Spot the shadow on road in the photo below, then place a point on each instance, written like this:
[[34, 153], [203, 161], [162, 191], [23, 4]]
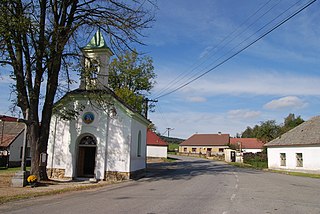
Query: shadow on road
[[186, 169]]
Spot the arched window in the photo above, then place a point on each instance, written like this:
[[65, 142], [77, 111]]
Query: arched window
[[88, 141], [94, 68], [139, 145]]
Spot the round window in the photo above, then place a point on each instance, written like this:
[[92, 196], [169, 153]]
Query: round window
[[88, 117]]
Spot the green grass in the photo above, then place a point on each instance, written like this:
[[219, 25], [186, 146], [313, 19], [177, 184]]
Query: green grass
[[301, 174], [171, 153], [254, 165], [12, 170], [173, 146], [258, 165]]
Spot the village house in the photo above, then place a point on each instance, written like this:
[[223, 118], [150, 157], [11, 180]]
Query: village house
[[107, 140], [156, 147], [11, 141], [298, 149], [205, 144], [247, 145]]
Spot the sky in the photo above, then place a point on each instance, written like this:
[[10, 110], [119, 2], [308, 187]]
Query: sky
[[277, 75]]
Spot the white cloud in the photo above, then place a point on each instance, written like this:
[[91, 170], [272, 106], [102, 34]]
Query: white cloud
[[255, 83], [197, 99], [243, 114], [190, 122], [285, 102]]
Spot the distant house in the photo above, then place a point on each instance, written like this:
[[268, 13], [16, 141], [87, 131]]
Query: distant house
[[156, 147], [247, 145], [298, 149], [11, 140], [205, 143]]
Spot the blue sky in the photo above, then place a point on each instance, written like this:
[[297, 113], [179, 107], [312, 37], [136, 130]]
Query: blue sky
[[278, 75]]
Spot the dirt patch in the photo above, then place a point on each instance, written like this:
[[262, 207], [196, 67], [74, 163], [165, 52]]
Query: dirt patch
[[8, 193], [5, 180]]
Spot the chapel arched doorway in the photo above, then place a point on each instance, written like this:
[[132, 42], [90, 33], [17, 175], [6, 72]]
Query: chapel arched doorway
[[86, 156]]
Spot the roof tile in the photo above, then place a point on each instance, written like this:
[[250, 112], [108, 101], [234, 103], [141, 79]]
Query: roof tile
[[207, 140]]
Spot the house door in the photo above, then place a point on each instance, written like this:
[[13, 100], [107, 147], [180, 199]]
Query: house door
[[233, 156], [86, 157]]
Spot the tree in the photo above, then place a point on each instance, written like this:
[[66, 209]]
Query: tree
[[40, 40], [268, 131], [132, 77], [248, 133], [290, 122]]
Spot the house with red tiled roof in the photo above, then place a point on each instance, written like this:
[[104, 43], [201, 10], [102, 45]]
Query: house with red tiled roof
[[156, 147], [11, 140], [247, 145], [205, 143]]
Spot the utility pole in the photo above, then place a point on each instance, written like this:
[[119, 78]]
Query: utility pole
[[168, 130], [147, 100]]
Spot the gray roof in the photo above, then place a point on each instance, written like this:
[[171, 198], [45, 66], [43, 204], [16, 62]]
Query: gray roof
[[307, 133]]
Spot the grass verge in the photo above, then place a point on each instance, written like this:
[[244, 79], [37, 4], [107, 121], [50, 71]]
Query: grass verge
[[5, 199], [301, 174]]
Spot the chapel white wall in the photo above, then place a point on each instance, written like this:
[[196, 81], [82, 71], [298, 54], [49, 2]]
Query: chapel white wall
[[118, 149], [138, 163], [64, 138]]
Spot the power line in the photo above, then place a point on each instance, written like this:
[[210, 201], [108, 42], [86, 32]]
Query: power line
[[241, 50], [213, 51]]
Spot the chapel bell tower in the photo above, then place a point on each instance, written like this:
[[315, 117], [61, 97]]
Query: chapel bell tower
[[96, 57]]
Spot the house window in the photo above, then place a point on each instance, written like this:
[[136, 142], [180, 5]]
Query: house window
[[194, 150], [139, 145], [221, 149], [209, 149], [184, 149], [282, 159], [299, 159]]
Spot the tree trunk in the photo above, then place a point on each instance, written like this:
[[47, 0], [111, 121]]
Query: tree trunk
[[38, 146]]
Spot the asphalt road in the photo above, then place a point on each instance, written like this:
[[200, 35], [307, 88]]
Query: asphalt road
[[188, 186]]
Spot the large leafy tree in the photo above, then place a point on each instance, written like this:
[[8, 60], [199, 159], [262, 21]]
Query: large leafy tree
[[40, 41], [131, 77], [290, 122], [269, 130]]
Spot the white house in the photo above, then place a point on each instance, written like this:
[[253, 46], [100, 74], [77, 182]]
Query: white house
[[11, 141], [156, 147], [107, 140], [247, 145], [298, 149]]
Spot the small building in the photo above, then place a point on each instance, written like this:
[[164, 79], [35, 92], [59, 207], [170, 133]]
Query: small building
[[205, 144], [247, 145], [106, 140], [11, 141], [156, 147], [298, 149]]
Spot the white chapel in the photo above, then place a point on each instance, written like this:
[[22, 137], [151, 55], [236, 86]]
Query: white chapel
[[107, 139]]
